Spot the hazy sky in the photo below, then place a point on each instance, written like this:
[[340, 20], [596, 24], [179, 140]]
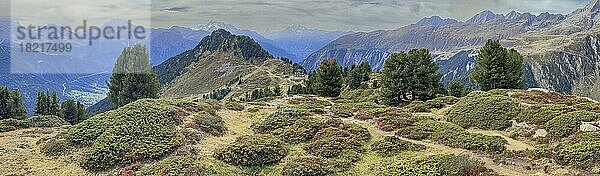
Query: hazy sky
[[269, 15]]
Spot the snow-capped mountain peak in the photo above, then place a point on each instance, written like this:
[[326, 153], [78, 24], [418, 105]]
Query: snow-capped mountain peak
[[213, 26]]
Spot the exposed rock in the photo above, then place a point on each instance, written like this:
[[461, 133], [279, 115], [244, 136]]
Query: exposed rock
[[589, 127], [485, 16], [23, 145], [436, 21], [538, 89], [561, 53], [540, 133]]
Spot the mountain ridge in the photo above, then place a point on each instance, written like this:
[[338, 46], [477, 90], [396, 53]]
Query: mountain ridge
[[222, 61], [535, 36]]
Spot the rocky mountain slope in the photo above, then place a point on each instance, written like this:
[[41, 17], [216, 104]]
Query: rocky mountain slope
[[560, 51], [436, 21], [377, 45], [221, 60], [565, 58]]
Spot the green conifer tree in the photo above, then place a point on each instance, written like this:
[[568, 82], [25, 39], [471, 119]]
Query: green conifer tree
[[17, 107], [5, 103], [410, 76], [42, 104], [498, 68], [133, 77], [54, 106], [328, 81], [72, 111], [277, 91], [456, 89]]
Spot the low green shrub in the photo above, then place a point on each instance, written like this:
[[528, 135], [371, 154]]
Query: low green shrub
[[206, 106], [342, 112], [129, 144], [343, 162], [438, 126], [6, 128], [332, 122], [32, 122], [391, 145], [253, 110], [361, 132], [453, 135], [484, 112], [536, 115], [140, 131], [209, 123], [540, 97], [418, 106], [426, 128], [17, 123], [185, 165], [434, 104], [379, 112], [461, 165], [591, 106], [394, 122], [309, 100], [472, 141], [44, 121], [414, 133], [234, 106], [302, 130], [292, 112], [567, 124], [331, 142], [581, 152], [308, 103], [305, 166], [361, 95], [445, 164], [253, 150], [447, 100], [272, 123], [55, 147]]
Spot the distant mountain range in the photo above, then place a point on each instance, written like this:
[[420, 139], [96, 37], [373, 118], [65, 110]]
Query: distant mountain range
[[435, 34], [302, 41], [560, 50], [435, 21], [82, 73]]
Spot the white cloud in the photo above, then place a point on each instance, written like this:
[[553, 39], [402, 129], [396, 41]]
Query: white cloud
[[356, 15]]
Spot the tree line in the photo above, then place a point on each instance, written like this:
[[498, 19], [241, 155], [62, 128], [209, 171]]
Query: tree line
[[406, 76], [412, 76], [47, 103]]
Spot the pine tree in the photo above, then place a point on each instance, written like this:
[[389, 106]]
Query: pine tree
[[42, 104], [354, 79], [311, 84], [277, 91], [17, 107], [328, 81], [47, 104], [133, 77], [73, 112], [498, 68], [54, 106], [5, 103], [364, 71], [410, 76], [456, 89]]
